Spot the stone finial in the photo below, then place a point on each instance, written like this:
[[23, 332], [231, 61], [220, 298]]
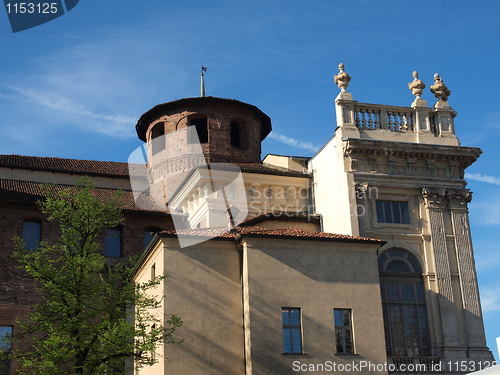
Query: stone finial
[[439, 89], [416, 86], [342, 79]]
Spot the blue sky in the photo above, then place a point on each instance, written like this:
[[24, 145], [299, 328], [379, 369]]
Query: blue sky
[[75, 87]]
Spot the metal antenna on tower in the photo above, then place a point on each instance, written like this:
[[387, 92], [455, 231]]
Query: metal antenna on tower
[[202, 83]]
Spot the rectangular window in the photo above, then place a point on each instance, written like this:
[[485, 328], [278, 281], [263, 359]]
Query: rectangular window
[[393, 212], [343, 331], [32, 234], [5, 347], [113, 243], [153, 272], [292, 335]]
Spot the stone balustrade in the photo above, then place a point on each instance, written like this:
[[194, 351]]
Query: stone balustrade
[[408, 124], [372, 117], [418, 123]]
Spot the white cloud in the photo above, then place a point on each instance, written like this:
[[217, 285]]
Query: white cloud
[[99, 84], [485, 212], [483, 178], [294, 142], [490, 298]]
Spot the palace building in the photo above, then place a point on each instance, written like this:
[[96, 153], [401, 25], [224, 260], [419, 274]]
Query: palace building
[[358, 258]]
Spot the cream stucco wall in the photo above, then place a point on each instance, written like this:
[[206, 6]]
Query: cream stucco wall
[[317, 277], [203, 289]]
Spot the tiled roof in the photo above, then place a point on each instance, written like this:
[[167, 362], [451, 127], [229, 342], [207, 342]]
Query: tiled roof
[[280, 215], [113, 169], [30, 192], [87, 167], [264, 232]]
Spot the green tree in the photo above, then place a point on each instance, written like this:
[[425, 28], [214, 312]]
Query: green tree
[[92, 317]]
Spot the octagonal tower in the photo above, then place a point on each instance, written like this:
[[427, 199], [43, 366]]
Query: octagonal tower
[[229, 131]]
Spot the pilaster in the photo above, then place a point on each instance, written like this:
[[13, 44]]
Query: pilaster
[[458, 199], [434, 200]]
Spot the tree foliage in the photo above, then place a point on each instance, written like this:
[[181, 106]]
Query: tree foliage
[[92, 318]]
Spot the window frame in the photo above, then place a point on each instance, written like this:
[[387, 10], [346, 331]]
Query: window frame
[[342, 329], [290, 329], [410, 201], [120, 237], [402, 305], [24, 227]]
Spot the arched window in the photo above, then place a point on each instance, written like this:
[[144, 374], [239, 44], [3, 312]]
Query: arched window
[[403, 304], [201, 126], [157, 139], [113, 242], [32, 234]]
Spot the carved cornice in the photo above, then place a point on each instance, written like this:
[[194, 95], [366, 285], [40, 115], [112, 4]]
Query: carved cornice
[[375, 149]]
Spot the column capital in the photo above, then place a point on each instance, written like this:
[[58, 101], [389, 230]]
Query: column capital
[[434, 196], [459, 198]]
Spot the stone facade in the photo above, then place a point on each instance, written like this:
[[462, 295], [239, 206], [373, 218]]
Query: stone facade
[[390, 184]]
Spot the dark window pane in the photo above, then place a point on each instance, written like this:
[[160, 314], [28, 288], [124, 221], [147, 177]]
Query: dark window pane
[[420, 292], [200, 124], [112, 243], [287, 342], [388, 212], [5, 337], [235, 134], [348, 341], [292, 339], [337, 315], [396, 213], [396, 324], [32, 233], [148, 236], [380, 212], [407, 294], [346, 314], [4, 367], [392, 212], [343, 330], [405, 217], [415, 265], [422, 317], [397, 266], [157, 138], [392, 292], [286, 318], [295, 317], [405, 321], [338, 341], [381, 261], [396, 253], [410, 330]]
